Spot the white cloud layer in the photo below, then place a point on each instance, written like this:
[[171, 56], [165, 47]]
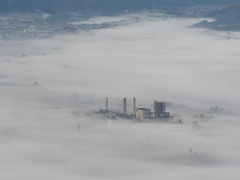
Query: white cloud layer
[[157, 58]]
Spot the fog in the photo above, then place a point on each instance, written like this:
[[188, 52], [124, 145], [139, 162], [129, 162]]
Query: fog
[[48, 86]]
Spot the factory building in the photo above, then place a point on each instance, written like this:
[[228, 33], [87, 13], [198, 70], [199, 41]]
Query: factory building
[[114, 115], [143, 113], [160, 111]]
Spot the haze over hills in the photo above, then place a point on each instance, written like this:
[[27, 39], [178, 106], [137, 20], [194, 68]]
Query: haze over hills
[[225, 13], [48, 85], [227, 19], [61, 59], [71, 5]]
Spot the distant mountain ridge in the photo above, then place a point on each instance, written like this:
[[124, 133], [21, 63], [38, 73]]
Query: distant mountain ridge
[[226, 19], [74, 5], [228, 13]]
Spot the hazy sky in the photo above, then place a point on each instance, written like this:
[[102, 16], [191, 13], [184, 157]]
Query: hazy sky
[[157, 58]]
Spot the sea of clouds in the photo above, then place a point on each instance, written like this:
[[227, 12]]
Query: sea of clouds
[[48, 86]]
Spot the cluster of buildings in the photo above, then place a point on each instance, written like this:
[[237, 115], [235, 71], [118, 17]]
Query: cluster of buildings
[[40, 26], [34, 25], [159, 112]]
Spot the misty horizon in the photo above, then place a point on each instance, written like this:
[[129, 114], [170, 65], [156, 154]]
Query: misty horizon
[[49, 86]]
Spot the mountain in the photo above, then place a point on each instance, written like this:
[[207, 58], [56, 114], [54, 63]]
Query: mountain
[[231, 12], [226, 19], [75, 5]]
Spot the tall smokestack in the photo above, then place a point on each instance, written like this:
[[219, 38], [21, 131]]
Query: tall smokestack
[[134, 107], [124, 105], [106, 104]]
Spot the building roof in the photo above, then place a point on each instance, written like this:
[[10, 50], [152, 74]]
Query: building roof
[[144, 109]]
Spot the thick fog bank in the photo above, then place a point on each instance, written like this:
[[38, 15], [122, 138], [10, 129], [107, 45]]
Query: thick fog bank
[[47, 86]]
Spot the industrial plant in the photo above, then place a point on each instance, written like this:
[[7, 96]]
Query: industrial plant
[[159, 112]]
